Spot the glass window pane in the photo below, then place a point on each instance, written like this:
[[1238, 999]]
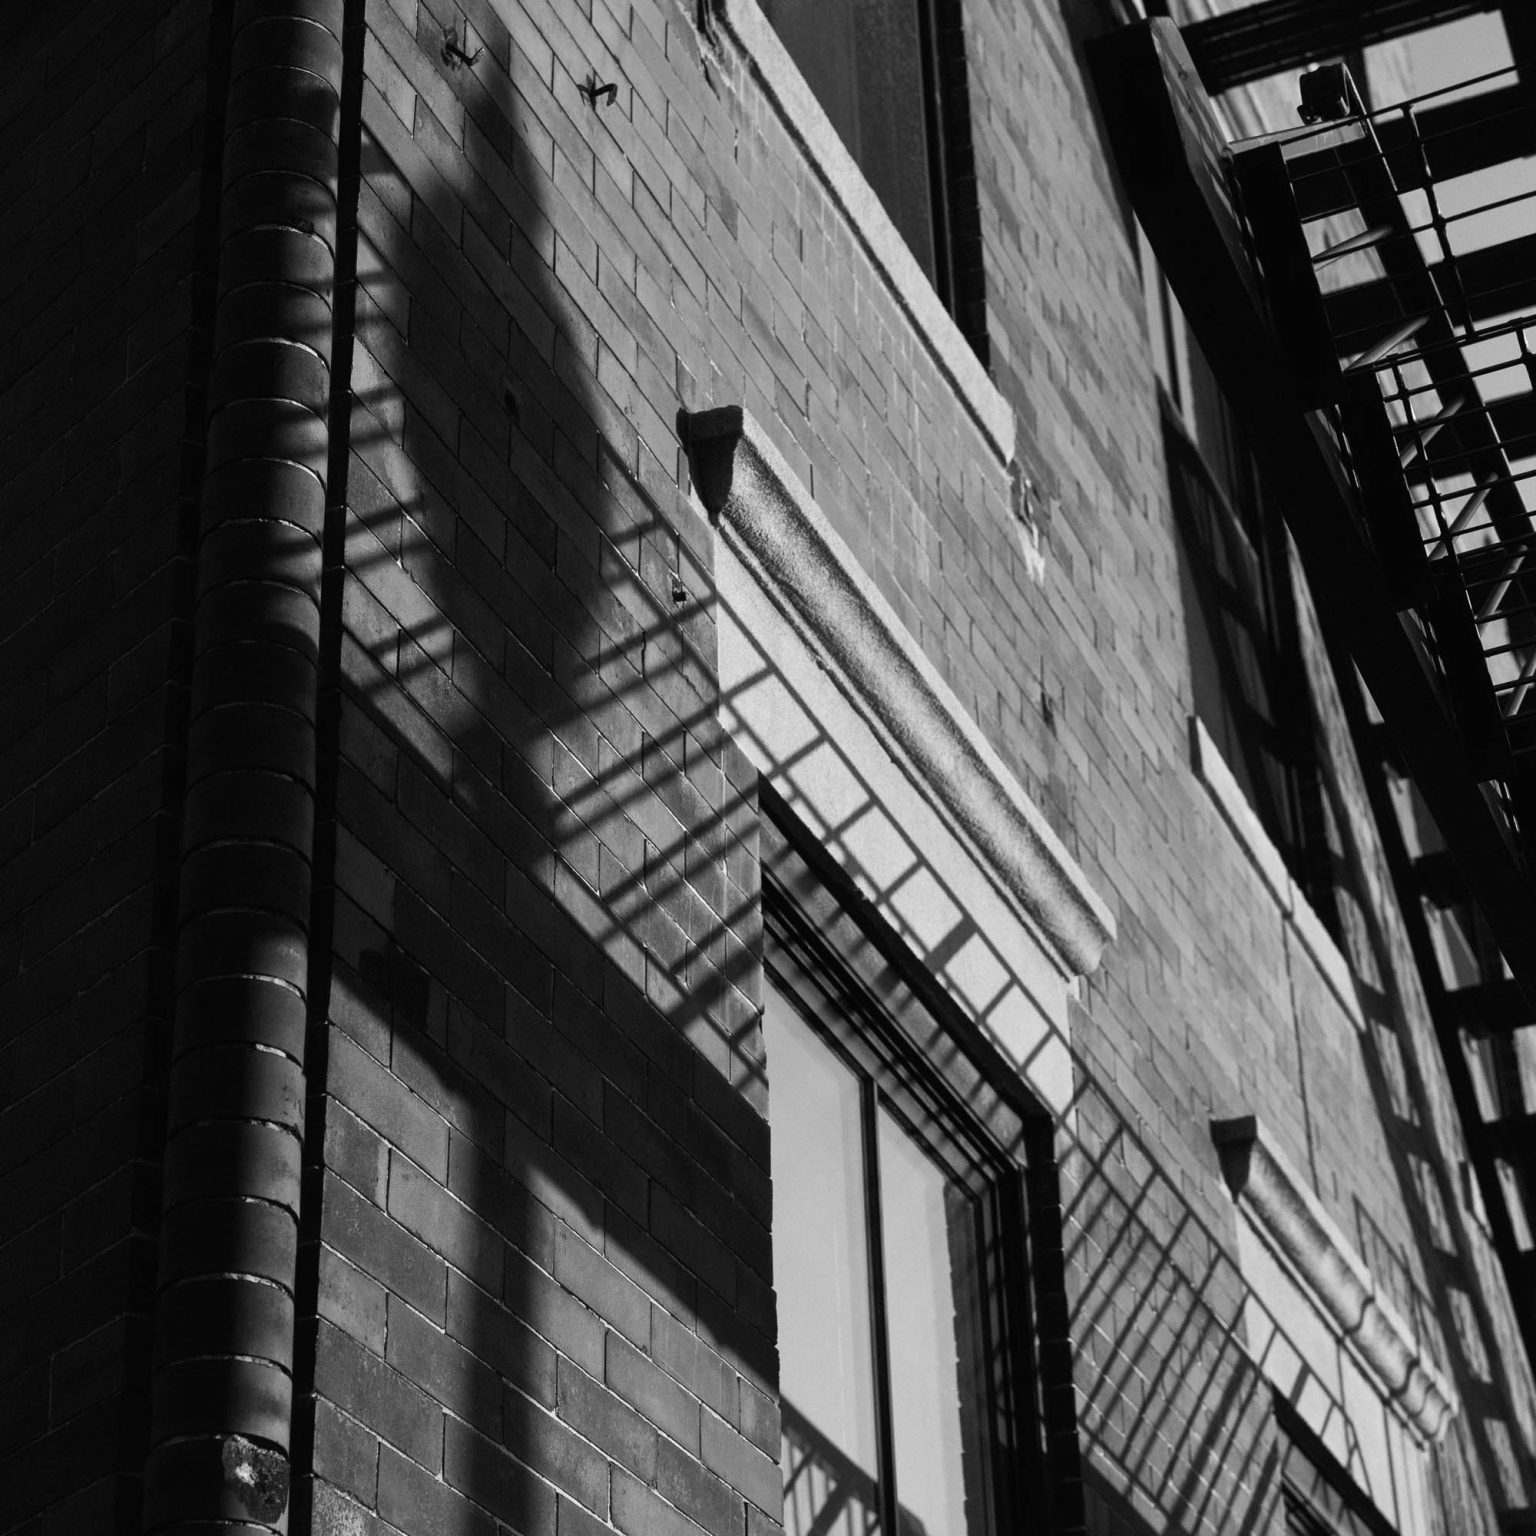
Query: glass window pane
[[820, 37], [821, 1274], [893, 132], [863, 60], [928, 1234]]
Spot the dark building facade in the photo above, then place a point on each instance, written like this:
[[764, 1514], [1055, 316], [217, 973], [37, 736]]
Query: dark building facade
[[738, 790]]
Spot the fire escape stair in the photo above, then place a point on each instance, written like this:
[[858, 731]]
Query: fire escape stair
[[1489, 1007], [1266, 37], [1402, 359]]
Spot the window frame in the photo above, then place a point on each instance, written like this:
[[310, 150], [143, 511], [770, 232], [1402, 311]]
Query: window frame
[[1273, 734], [949, 252], [808, 127], [887, 1019], [959, 252], [887, 1078], [1218, 503], [1352, 1512]]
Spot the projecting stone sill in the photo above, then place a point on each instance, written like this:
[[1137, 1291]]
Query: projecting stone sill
[[1301, 1234]]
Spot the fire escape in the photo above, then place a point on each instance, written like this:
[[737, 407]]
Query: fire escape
[[1365, 287]]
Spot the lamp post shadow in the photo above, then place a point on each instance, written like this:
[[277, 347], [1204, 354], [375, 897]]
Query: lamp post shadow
[[536, 1201]]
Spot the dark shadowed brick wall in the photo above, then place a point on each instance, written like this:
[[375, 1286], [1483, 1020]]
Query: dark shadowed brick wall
[[102, 146]]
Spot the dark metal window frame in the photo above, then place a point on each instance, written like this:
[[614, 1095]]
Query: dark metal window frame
[[1344, 1509], [885, 1017], [955, 264], [1277, 739], [959, 275]]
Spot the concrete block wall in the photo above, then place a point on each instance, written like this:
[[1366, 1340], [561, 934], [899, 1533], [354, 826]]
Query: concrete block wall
[[102, 149]]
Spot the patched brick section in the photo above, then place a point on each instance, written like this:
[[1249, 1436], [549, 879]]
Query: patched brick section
[[608, 1422], [398, 1411], [741, 1464], [101, 151], [618, 1300], [346, 1454], [714, 1504]]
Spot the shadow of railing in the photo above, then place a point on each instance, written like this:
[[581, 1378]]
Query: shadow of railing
[[546, 930], [539, 1080], [537, 1165], [1160, 1306], [824, 1492], [1173, 1410]]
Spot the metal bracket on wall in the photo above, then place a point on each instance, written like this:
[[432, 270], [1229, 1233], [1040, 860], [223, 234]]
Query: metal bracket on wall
[[453, 50], [599, 95]]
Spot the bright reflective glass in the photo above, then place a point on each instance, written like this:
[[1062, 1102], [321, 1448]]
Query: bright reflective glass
[[925, 1220], [821, 1275]]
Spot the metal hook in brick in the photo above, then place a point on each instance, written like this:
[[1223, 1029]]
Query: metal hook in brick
[[453, 50], [595, 93]]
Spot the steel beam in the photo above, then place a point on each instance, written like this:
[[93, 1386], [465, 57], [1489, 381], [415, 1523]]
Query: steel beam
[[1491, 1008], [1256, 41]]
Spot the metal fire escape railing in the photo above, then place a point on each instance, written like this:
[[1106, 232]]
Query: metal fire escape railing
[[1398, 255], [1421, 330]]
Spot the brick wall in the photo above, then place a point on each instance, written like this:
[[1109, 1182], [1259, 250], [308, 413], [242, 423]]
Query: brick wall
[[544, 983], [101, 143], [535, 1273]]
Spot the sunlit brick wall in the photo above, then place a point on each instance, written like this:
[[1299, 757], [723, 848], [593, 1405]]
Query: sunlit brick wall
[[545, 1087]]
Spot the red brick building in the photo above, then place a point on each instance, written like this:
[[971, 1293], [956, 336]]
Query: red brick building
[[727, 804]]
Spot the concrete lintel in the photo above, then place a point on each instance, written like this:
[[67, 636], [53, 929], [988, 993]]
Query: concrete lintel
[[1305, 1238], [770, 520]]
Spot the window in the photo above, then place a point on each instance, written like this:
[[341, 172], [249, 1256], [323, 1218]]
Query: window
[[911, 1402], [1358, 1399], [877, 1258], [1246, 680], [1318, 1495], [870, 63], [1247, 674]]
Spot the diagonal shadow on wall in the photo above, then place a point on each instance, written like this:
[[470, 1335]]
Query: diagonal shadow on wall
[[536, 1215]]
